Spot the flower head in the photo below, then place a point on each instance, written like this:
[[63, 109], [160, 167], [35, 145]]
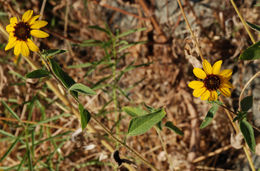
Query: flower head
[[212, 80], [20, 32]]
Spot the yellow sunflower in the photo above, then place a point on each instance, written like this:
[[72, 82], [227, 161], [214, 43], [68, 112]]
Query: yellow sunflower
[[20, 32], [213, 80]]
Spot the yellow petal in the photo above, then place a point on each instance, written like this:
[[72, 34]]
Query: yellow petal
[[39, 34], [39, 24], [17, 48], [207, 67], [216, 67], [196, 84], [213, 96], [226, 84], [225, 91], [226, 73], [10, 28], [24, 49], [199, 73], [205, 95], [11, 43], [32, 46], [27, 15], [33, 19], [13, 20], [199, 92]]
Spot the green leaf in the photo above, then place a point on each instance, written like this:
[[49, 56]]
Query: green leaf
[[142, 124], [10, 149], [130, 45], [130, 32], [251, 53], [134, 111], [81, 88], [209, 116], [100, 29], [52, 52], [91, 43], [254, 26], [63, 76], [246, 103], [84, 65], [11, 111], [173, 128], [84, 116], [248, 134], [38, 73]]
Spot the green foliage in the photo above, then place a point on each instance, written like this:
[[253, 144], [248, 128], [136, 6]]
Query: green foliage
[[38, 73], [134, 111], [140, 125], [66, 80], [11, 111], [248, 134], [84, 116], [78, 87], [254, 26], [173, 128], [128, 32], [10, 149], [251, 53], [246, 103], [91, 43], [207, 120], [52, 52]]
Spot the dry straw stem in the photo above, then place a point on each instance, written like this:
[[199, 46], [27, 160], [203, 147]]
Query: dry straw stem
[[191, 32], [243, 21], [245, 148]]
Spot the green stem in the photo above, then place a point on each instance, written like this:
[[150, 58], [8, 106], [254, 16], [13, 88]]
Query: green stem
[[115, 87]]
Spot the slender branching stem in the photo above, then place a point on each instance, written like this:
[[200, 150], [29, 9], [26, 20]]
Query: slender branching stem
[[117, 140]]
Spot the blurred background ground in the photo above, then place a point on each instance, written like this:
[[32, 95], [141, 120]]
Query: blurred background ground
[[163, 83]]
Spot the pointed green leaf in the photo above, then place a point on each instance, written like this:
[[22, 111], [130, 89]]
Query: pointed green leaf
[[130, 32], [248, 134], [63, 76], [246, 103], [83, 65], [209, 116], [254, 26], [81, 88], [100, 29], [251, 53], [38, 73], [10, 149], [11, 111], [84, 116], [91, 43], [173, 128], [142, 124], [134, 111], [52, 52]]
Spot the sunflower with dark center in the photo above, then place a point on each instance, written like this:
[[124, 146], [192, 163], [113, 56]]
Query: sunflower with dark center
[[21, 31], [213, 80]]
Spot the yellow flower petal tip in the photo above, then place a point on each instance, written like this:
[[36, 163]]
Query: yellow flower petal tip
[[20, 32], [212, 80]]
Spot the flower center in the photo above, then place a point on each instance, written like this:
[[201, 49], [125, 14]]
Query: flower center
[[22, 31], [212, 82]]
